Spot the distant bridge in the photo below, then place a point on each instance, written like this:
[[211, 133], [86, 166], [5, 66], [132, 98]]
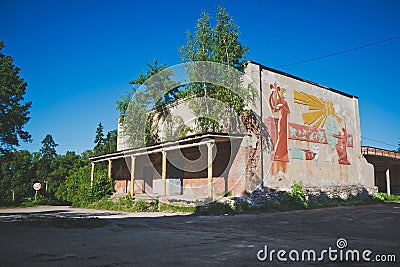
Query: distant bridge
[[386, 168]]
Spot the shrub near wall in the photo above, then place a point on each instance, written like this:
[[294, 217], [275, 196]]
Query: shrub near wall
[[77, 190]]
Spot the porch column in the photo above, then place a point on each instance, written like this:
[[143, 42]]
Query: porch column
[[109, 169], [387, 180], [164, 172], [92, 175], [210, 168], [133, 161]]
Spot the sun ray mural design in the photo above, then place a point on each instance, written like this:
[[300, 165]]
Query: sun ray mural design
[[319, 109]]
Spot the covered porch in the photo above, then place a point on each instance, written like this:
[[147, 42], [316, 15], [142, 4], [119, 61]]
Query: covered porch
[[195, 167]]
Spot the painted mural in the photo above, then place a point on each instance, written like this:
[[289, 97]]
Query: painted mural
[[323, 114], [279, 122], [319, 109], [323, 124], [341, 146], [307, 133]]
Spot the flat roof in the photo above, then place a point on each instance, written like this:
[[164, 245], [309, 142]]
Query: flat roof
[[196, 139], [302, 80]]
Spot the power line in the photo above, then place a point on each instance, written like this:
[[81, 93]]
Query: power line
[[338, 53], [378, 141]]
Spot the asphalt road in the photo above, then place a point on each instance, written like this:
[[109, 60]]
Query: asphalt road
[[63, 236]]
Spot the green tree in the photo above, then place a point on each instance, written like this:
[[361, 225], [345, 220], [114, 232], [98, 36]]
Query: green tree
[[200, 46], [76, 187], [45, 163], [17, 177], [64, 165], [110, 142], [155, 97], [48, 149], [145, 104], [13, 110], [150, 91], [99, 140], [227, 48], [107, 144], [218, 44], [77, 190]]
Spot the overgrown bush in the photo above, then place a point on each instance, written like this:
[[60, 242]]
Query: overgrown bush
[[77, 190], [296, 198], [125, 203], [102, 187], [386, 198]]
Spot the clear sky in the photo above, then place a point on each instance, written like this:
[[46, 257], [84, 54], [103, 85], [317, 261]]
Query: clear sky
[[78, 56]]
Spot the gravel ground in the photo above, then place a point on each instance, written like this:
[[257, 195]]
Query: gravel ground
[[64, 236]]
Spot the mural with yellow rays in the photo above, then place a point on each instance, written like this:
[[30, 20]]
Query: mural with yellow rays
[[319, 109]]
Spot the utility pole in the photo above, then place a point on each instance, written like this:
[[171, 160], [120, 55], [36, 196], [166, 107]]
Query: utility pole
[[46, 185]]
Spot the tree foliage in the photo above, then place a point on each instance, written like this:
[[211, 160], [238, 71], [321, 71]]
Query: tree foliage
[[150, 91], [46, 159], [48, 149], [146, 103], [107, 144], [14, 112], [155, 95], [77, 190], [76, 187], [218, 44], [99, 138], [17, 176]]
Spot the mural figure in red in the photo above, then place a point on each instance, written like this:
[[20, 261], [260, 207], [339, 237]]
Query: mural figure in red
[[341, 146], [278, 103]]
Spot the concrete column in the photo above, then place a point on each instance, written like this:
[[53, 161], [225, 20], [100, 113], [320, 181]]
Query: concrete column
[[109, 169], [133, 161], [164, 172], [210, 168], [388, 181], [92, 175]]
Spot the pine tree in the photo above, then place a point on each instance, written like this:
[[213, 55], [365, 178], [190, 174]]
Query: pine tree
[[99, 140]]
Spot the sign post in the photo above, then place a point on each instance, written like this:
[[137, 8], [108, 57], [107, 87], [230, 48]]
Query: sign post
[[37, 187], [13, 195]]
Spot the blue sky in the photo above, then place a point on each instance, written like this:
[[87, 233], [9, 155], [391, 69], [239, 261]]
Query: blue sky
[[78, 56]]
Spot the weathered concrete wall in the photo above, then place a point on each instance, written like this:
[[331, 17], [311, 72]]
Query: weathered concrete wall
[[122, 142], [179, 114], [312, 135], [314, 132]]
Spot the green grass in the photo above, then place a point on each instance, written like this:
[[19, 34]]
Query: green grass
[[176, 208], [293, 200], [127, 204], [289, 201], [387, 198]]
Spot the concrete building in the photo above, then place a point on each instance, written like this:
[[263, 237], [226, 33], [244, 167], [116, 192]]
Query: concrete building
[[305, 132]]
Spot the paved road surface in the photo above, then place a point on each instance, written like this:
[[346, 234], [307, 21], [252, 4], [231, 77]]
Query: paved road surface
[[63, 236]]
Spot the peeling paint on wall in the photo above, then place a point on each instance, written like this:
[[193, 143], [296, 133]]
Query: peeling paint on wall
[[317, 146], [297, 153]]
